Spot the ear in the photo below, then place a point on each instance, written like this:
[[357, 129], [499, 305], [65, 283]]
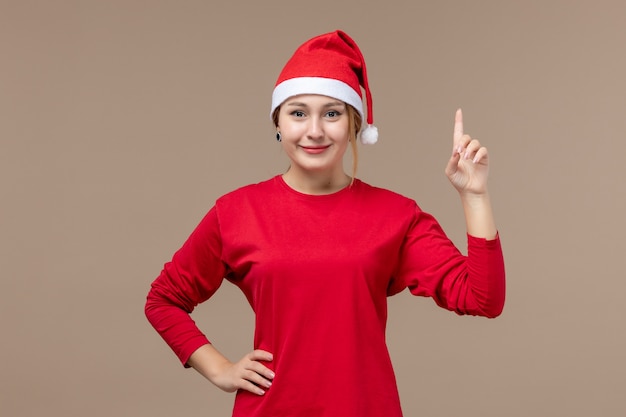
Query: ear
[[275, 117]]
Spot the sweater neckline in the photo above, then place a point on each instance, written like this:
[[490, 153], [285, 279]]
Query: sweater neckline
[[336, 194]]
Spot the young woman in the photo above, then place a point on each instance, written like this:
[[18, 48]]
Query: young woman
[[317, 252]]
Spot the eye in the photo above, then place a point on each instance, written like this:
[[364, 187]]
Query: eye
[[297, 113], [333, 113]]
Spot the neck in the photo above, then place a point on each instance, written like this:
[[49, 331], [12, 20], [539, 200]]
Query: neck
[[316, 183]]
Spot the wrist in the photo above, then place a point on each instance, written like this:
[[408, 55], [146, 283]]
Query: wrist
[[474, 199], [478, 215], [209, 362]]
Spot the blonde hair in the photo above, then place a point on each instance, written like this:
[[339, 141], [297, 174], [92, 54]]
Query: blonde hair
[[354, 127]]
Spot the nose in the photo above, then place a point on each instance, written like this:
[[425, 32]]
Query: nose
[[316, 129]]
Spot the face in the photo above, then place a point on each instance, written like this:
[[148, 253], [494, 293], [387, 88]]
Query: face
[[314, 132]]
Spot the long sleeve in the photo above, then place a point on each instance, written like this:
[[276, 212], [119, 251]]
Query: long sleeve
[[431, 266], [193, 275]]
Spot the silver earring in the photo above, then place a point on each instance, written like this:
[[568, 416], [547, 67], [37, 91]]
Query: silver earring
[[278, 137]]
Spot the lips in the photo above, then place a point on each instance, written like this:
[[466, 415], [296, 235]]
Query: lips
[[314, 149]]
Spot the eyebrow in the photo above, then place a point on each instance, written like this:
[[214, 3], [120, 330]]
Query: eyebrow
[[329, 104]]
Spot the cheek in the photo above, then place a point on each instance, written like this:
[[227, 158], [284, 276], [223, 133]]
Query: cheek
[[340, 131], [291, 130]]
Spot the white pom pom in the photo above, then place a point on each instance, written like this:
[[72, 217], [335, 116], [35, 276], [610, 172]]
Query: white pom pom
[[369, 135]]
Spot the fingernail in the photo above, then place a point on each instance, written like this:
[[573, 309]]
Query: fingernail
[[272, 375]]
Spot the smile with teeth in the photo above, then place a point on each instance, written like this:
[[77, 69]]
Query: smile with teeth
[[314, 149]]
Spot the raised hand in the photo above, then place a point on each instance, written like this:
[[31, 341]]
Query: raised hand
[[468, 167]]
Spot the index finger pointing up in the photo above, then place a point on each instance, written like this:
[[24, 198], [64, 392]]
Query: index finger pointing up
[[458, 126]]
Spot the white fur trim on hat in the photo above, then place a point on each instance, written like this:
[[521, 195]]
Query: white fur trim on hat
[[316, 85]]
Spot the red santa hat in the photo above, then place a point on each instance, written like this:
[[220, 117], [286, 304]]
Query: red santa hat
[[331, 65]]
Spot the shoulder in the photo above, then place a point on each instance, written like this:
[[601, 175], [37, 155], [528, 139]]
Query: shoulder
[[249, 191], [378, 196]]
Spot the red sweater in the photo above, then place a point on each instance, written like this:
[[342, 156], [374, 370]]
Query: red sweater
[[317, 270]]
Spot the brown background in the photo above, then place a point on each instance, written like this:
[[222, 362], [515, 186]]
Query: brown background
[[122, 121]]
